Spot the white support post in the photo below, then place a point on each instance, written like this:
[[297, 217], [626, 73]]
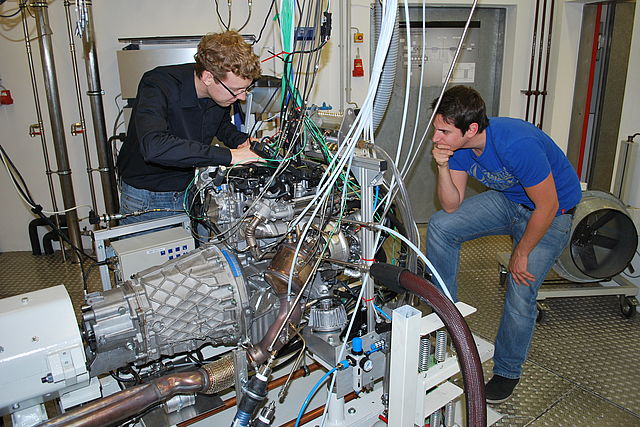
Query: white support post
[[335, 412], [405, 348], [409, 403]]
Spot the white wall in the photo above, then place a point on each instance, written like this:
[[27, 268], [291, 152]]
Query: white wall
[[114, 19], [120, 18], [629, 125]]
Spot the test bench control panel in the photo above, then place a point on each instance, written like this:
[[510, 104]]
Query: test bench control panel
[[140, 252]]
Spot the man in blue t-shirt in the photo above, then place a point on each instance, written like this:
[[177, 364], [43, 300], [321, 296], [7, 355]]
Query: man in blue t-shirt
[[533, 193]]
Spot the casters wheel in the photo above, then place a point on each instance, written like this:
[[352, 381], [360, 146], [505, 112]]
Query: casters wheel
[[628, 306], [503, 276], [542, 311]]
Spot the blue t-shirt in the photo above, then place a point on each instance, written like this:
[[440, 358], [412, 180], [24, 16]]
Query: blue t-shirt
[[517, 155]]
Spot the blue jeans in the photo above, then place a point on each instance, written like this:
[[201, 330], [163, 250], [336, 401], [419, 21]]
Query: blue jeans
[[486, 214], [136, 199]]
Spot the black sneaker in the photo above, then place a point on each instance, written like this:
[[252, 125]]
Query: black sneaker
[[499, 389]]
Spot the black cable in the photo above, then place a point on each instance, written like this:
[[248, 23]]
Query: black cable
[[20, 182], [120, 112], [264, 24], [194, 360], [119, 379], [12, 15], [37, 209], [248, 16], [226, 27], [23, 189]]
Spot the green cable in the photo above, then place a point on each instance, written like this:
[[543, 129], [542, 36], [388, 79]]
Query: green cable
[[184, 201]]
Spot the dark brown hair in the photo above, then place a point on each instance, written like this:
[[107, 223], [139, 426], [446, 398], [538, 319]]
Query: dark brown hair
[[461, 106]]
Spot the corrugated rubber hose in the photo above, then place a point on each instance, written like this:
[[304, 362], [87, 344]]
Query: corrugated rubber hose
[[399, 279]]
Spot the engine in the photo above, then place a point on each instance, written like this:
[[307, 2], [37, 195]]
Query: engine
[[255, 275]]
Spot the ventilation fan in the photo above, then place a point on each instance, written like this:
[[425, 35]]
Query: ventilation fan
[[603, 240]]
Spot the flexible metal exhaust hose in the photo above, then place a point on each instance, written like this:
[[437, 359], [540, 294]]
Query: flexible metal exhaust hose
[[388, 77], [399, 279], [213, 377]]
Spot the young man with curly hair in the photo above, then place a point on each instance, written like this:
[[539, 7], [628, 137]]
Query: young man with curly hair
[[533, 190], [177, 112]]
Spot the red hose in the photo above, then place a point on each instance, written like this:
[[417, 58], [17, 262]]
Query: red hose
[[587, 104]]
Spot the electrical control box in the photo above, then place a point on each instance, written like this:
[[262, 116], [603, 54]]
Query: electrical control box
[[140, 252]]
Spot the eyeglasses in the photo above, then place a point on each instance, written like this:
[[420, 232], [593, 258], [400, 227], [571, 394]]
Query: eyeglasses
[[240, 92]]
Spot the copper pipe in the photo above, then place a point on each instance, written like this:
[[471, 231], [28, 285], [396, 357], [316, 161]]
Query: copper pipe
[[533, 57], [83, 127], [259, 353], [231, 402], [277, 275], [315, 413], [540, 47], [546, 66], [125, 404]]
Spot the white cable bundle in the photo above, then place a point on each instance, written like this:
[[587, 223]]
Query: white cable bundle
[[341, 162]]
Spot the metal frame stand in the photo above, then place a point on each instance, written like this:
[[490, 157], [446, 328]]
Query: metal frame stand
[[101, 236], [412, 398], [617, 285]]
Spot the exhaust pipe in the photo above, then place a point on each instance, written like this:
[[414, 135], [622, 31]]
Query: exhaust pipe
[[211, 378]]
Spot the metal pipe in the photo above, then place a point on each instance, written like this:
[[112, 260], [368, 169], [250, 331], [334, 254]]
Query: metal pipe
[[211, 378], [103, 148], [343, 62], [307, 276], [533, 58], [232, 401], [546, 67], [277, 275], [587, 102], [317, 412], [40, 124], [250, 237], [540, 47], [131, 401], [57, 124], [83, 127], [272, 342]]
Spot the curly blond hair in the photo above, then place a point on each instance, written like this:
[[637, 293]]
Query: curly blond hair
[[220, 53]]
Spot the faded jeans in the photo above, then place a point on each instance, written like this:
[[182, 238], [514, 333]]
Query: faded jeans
[[486, 214], [136, 199]]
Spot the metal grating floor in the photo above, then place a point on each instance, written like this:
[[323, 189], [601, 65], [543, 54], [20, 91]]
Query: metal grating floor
[[584, 364]]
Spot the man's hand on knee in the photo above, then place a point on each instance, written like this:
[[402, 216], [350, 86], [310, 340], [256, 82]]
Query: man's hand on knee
[[518, 268]]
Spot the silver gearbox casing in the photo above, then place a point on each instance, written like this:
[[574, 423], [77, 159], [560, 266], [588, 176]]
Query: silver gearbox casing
[[198, 298]]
